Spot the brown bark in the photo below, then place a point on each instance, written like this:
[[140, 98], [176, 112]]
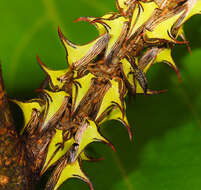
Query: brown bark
[[14, 174]]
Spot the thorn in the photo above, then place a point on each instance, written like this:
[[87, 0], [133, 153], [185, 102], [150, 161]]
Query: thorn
[[42, 65], [189, 48], [97, 159], [128, 129], [178, 74], [60, 33], [38, 59], [175, 40], [90, 184], [130, 133], [151, 92], [107, 27], [64, 39], [81, 19], [39, 90], [174, 67], [91, 159], [111, 146], [176, 70]]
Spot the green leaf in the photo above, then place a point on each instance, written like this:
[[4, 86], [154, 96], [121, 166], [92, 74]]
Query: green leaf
[[165, 152]]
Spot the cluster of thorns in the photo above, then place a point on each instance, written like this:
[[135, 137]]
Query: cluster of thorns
[[74, 102]]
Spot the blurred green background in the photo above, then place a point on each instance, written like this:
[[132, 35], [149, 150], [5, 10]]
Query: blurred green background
[[166, 151]]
